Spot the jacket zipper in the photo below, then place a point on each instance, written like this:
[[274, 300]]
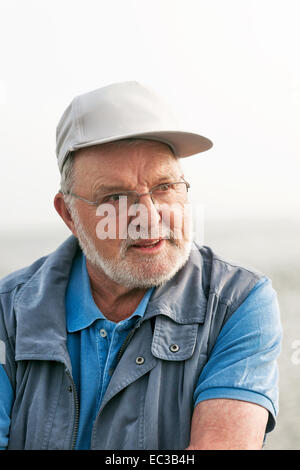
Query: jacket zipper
[[127, 340], [75, 395], [119, 355], [76, 419]]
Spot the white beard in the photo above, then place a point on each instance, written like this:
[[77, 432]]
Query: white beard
[[150, 271]]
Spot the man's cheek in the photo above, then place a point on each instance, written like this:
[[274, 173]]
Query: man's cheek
[[174, 220]]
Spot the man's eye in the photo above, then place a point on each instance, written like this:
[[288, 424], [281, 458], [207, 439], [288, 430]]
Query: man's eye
[[164, 187], [113, 197]]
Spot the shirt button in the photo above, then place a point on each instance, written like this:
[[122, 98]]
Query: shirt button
[[174, 348], [103, 333], [139, 360]]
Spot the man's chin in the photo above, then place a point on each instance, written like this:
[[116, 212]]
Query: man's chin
[[145, 270], [144, 279], [137, 268]]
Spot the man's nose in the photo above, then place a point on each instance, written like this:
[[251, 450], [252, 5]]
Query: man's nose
[[153, 214]]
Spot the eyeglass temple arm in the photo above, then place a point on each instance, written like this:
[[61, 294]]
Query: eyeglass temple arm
[[187, 184], [69, 193]]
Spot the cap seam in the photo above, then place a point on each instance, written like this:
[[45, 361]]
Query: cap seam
[[77, 122]]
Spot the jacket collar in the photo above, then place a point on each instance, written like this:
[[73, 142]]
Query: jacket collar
[[182, 298], [40, 308], [40, 303], [81, 310]]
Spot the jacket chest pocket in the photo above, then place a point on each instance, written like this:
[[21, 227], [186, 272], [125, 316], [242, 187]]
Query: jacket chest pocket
[[173, 341]]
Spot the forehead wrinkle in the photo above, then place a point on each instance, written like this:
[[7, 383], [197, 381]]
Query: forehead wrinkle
[[164, 166], [165, 174]]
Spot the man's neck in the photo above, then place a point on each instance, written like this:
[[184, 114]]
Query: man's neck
[[116, 302]]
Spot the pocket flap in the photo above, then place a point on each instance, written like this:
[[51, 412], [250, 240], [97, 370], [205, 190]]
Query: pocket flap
[[173, 341]]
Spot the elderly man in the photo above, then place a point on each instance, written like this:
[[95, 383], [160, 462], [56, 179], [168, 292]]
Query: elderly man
[[130, 335]]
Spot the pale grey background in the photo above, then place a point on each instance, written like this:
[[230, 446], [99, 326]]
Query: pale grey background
[[231, 71]]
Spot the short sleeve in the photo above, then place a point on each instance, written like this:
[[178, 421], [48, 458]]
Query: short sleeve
[[243, 362], [6, 401]]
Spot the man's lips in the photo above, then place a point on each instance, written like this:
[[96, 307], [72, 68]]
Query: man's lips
[[148, 242], [148, 246]]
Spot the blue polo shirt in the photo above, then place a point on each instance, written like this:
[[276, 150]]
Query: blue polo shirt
[[93, 343], [242, 364]]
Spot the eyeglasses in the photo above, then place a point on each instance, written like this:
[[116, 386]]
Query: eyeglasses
[[164, 193]]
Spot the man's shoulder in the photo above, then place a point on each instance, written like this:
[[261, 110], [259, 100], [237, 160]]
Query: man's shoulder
[[225, 277], [211, 258], [21, 276]]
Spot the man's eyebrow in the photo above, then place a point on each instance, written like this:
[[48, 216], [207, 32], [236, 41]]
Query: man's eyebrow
[[167, 179], [105, 189]]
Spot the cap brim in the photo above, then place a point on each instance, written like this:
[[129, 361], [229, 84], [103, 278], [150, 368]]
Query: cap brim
[[183, 144]]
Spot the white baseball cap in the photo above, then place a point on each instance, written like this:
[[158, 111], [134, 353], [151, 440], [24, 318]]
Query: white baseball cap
[[122, 111]]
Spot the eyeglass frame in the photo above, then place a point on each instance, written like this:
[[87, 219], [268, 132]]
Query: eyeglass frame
[[96, 203]]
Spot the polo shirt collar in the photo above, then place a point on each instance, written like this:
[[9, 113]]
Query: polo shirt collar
[[80, 306]]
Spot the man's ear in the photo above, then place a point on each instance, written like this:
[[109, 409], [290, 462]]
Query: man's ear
[[63, 211]]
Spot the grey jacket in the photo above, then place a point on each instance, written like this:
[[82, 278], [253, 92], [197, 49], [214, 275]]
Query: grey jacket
[[148, 404]]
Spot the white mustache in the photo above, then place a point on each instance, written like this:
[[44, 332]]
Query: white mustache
[[170, 237], [165, 233]]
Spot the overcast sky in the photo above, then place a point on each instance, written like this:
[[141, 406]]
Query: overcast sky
[[230, 69]]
